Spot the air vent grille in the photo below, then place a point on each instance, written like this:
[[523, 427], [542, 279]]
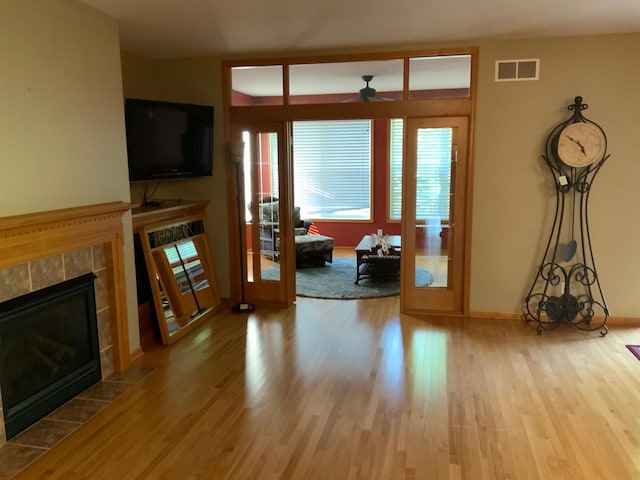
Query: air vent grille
[[517, 70]]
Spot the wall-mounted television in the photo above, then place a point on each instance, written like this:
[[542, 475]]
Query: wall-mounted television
[[168, 140]]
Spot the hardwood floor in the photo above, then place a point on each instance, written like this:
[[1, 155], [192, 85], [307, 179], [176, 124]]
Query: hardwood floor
[[352, 390]]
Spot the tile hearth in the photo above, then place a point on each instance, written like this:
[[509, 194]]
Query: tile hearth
[[23, 449]]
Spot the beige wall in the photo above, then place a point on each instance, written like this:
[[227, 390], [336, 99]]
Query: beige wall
[[193, 80], [61, 116], [513, 194]]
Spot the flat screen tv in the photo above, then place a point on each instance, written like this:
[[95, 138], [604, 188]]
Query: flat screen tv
[[168, 140]]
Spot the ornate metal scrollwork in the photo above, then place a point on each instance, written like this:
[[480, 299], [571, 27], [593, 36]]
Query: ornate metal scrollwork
[[173, 233], [566, 288]]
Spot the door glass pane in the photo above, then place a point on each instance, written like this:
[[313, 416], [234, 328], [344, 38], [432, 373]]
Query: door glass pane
[[433, 202], [262, 206]]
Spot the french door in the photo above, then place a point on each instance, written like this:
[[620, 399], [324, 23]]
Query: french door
[[265, 220], [434, 171], [433, 239]]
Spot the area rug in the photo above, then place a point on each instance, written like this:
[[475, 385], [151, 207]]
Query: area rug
[[335, 280], [635, 349]]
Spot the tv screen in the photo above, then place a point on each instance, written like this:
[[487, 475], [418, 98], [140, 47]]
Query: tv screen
[[168, 140]]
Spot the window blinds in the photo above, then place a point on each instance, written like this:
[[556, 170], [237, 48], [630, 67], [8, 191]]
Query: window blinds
[[332, 168]]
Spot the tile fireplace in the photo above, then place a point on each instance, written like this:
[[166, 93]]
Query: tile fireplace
[[48, 350], [44, 250]]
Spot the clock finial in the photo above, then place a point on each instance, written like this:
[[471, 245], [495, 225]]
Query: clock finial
[[578, 105]]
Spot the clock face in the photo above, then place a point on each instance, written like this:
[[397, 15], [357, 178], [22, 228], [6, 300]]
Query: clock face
[[581, 144]]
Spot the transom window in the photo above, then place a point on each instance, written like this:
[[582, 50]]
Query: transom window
[[371, 79]]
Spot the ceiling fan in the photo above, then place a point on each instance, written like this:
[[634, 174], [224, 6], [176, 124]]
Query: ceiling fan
[[367, 94]]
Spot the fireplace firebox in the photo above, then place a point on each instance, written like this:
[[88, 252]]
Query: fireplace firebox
[[49, 350]]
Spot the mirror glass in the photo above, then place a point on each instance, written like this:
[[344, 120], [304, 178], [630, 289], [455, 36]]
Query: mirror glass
[[186, 267]]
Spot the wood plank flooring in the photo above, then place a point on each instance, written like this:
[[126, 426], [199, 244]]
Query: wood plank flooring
[[350, 389]]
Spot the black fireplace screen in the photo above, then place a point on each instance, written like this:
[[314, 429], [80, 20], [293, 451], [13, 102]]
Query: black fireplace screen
[[49, 350]]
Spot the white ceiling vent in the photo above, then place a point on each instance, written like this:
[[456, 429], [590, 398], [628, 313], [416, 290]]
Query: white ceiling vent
[[517, 70]]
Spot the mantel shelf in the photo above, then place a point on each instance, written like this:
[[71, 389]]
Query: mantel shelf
[[167, 211]]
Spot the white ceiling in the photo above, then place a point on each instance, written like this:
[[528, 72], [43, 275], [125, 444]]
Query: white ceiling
[[184, 28], [177, 28]]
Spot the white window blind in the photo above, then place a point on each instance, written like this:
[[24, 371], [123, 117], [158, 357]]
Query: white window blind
[[395, 168], [433, 179], [332, 169], [187, 252]]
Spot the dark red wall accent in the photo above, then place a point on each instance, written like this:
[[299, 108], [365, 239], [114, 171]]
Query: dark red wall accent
[[239, 99]]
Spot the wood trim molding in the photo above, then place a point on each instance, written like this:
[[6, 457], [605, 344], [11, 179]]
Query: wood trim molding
[[70, 214], [36, 235], [137, 353], [494, 316], [170, 212], [616, 321]]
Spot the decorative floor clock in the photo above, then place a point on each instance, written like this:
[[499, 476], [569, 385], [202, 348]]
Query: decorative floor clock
[[566, 289]]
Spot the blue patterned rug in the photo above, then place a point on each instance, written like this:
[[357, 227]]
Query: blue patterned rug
[[336, 280]]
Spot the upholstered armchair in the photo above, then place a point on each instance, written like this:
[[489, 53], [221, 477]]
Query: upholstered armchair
[[269, 225]]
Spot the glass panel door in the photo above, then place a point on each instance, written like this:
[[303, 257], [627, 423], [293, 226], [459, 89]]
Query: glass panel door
[[433, 226], [266, 223]]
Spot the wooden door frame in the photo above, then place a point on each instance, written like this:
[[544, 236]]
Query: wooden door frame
[[397, 109], [452, 300], [259, 291]]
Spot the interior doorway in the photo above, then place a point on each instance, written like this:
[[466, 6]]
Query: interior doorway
[[433, 240]]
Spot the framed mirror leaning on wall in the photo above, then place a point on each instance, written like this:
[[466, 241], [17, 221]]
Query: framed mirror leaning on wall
[[180, 268]]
